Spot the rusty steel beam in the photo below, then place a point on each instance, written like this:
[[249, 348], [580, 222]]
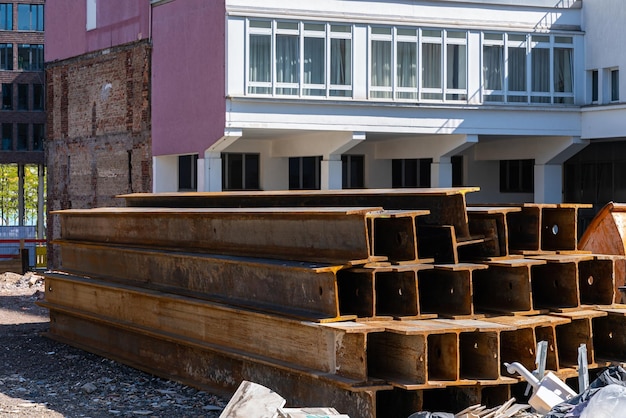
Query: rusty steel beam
[[446, 205], [328, 348], [382, 291], [301, 290], [210, 368], [571, 335], [394, 236], [505, 287], [329, 235], [490, 222], [448, 290], [609, 336]]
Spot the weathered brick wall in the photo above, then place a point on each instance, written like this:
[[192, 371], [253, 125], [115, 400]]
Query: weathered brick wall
[[98, 141]]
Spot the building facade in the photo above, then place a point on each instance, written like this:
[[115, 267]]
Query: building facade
[[332, 94], [23, 114]]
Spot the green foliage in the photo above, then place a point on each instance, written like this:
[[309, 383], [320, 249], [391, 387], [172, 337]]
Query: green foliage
[[9, 194]]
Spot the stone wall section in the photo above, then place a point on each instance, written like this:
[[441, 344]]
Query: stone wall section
[[98, 141]]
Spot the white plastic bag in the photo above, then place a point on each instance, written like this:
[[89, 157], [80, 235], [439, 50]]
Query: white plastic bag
[[608, 402]]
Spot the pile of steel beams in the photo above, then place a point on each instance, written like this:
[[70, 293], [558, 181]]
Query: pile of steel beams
[[378, 303]]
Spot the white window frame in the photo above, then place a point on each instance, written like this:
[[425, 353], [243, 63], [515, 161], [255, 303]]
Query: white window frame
[[503, 67], [91, 7]]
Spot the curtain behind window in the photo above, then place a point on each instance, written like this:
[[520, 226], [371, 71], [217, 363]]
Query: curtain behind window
[[340, 62], [493, 58], [287, 59], [407, 64], [260, 58], [431, 65], [563, 70], [314, 60], [381, 63], [540, 70]]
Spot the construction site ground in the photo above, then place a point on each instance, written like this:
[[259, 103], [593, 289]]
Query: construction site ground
[[40, 377]]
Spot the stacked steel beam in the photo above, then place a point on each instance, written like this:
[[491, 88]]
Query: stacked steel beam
[[375, 302]]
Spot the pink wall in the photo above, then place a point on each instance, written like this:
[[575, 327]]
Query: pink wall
[[188, 79], [118, 22]]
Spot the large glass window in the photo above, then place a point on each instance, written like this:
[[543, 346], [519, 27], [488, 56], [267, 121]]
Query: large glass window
[[406, 64], [240, 171], [431, 65], [22, 137], [516, 69], [456, 65], [38, 97], [7, 136], [304, 173], [352, 171], [493, 67], [6, 16], [188, 172], [291, 58], [38, 136], [30, 57], [410, 172], [6, 56], [380, 63], [517, 176], [30, 17]]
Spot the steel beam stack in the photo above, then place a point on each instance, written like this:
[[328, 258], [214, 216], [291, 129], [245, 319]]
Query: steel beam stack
[[378, 303]]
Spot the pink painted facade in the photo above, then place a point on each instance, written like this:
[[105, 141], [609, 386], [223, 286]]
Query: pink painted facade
[[188, 76], [117, 22]]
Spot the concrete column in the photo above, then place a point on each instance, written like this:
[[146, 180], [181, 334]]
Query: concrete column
[[441, 173], [211, 166], [331, 174], [548, 183]]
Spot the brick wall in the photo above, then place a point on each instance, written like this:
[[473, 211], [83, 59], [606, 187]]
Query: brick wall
[[98, 141]]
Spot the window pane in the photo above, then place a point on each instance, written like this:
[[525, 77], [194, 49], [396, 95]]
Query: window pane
[[38, 97], [22, 96], [7, 96], [287, 59], [30, 17], [260, 58], [235, 171], [615, 85], [517, 69], [407, 64], [38, 136], [341, 62], [540, 69], [431, 65], [563, 70], [594, 85], [381, 63], [456, 67], [6, 16], [22, 136], [7, 136], [493, 63], [6, 56], [252, 171], [187, 172], [314, 60], [310, 172], [264, 24]]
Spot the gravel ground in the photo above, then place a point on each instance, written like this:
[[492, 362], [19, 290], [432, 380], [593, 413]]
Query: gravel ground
[[40, 377]]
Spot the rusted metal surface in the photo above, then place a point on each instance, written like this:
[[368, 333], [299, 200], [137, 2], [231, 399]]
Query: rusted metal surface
[[394, 236], [302, 290], [331, 235], [606, 234], [446, 205], [571, 335], [490, 222], [187, 319], [609, 336], [448, 290], [211, 368], [506, 287], [384, 291], [440, 243]]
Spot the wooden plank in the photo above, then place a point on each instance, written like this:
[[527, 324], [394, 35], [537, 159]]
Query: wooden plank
[[298, 289], [296, 342]]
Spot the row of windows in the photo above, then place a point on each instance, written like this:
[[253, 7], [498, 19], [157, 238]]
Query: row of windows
[[29, 137], [28, 98], [287, 58], [29, 57], [29, 17]]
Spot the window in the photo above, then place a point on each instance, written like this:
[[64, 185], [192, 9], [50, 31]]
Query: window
[[6, 16], [380, 65], [352, 171], [22, 137], [22, 97], [7, 136], [7, 96], [6, 56], [457, 170], [614, 85], [456, 65], [288, 58], [410, 172], [431, 65], [493, 67], [30, 57], [38, 97], [540, 69], [517, 176], [240, 171], [304, 173], [563, 70], [91, 6], [38, 136], [30, 17], [188, 172], [595, 84]]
